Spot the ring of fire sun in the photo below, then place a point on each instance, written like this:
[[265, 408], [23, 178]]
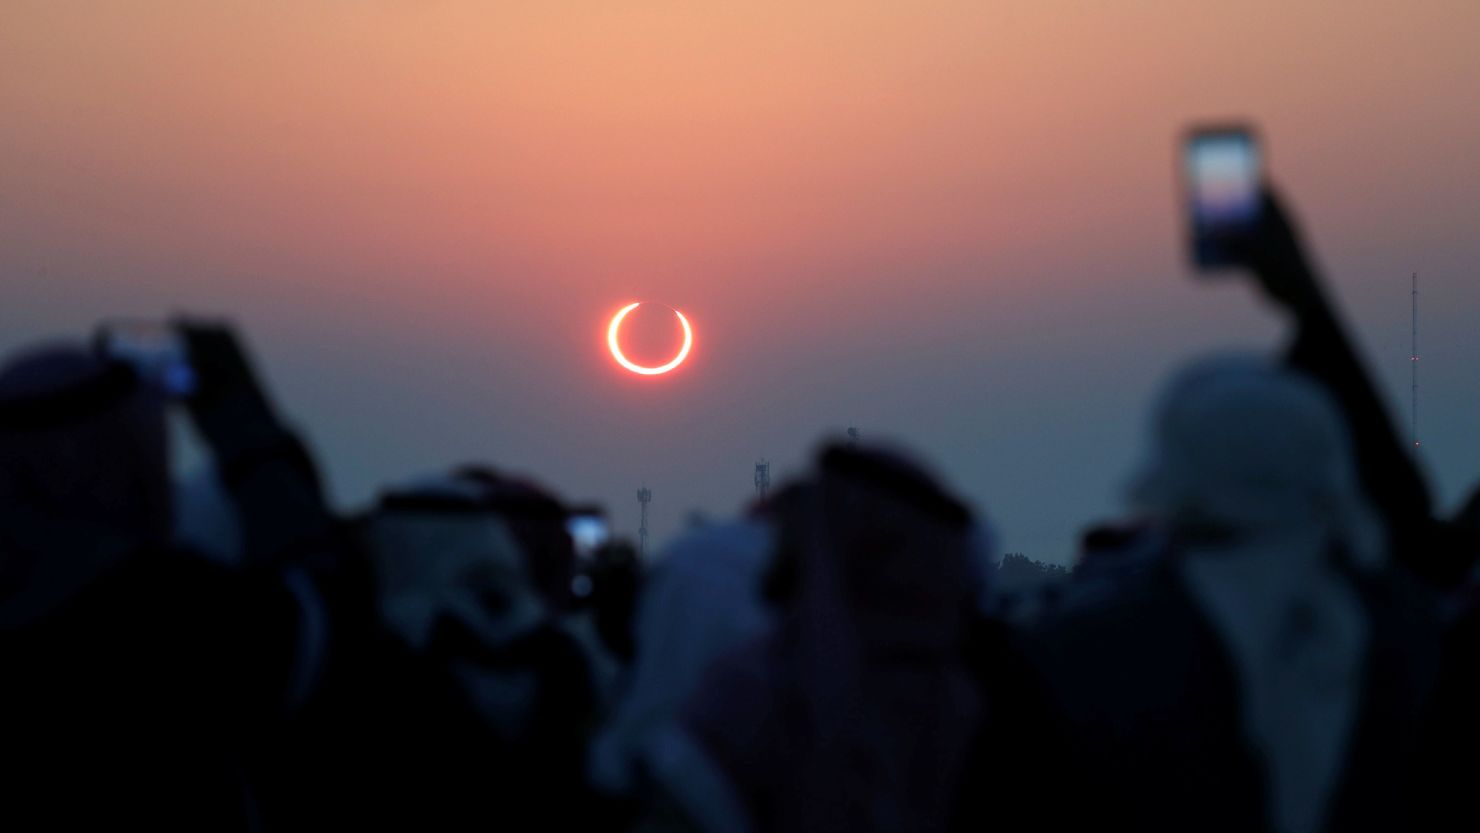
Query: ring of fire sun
[[613, 332]]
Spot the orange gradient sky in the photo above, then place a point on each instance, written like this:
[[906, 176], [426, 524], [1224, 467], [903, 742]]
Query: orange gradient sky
[[952, 224]]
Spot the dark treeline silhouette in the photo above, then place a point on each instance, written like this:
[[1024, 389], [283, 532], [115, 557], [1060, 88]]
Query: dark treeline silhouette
[[1019, 569], [1279, 634]]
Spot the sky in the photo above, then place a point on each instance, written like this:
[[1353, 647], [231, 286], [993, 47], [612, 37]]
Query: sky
[[954, 225]]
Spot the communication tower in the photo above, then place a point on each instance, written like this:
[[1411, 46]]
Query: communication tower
[[1413, 361], [644, 497], [852, 436], [762, 479]]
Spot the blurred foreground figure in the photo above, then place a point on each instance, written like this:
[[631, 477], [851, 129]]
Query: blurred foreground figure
[[1270, 672], [467, 702], [857, 712], [475, 573], [1449, 768], [136, 674], [702, 598]]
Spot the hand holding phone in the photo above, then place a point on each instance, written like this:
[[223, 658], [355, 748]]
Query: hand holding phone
[[229, 405], [588, 531], [1235, 218], [1224, 183], [156, 351]]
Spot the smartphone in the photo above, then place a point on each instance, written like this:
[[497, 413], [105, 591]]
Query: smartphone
[[156, 351], [588, 530], [1224, 175]]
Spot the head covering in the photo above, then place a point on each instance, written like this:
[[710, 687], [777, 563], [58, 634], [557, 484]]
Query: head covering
[[83, 456], [80, 437], [857, 714], [701, 599], [537, 520], [457, 585], [440, 551], [1252, 471], [1245, 447]]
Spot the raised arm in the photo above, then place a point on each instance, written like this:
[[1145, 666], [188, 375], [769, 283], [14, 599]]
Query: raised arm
[[1322, 349], [271, 477]]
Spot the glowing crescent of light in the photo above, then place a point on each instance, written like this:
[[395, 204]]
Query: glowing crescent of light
[[616, 325]]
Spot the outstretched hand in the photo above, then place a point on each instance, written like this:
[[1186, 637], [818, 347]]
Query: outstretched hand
[[229, 406]]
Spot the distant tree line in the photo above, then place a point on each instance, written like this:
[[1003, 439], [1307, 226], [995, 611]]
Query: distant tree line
[[1018, 570]]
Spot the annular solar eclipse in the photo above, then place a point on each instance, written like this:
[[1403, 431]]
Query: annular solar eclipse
[[613, 333]]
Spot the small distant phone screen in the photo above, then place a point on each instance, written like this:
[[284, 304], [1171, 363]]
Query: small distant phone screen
[[588, 533], [156, 351], [1223, 182]]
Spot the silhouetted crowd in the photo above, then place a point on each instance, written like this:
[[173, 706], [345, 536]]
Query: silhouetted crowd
[[1279, 634]]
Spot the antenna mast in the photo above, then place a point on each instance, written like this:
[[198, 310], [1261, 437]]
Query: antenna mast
[[644, 497], [762, 479], [1413, 360]]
